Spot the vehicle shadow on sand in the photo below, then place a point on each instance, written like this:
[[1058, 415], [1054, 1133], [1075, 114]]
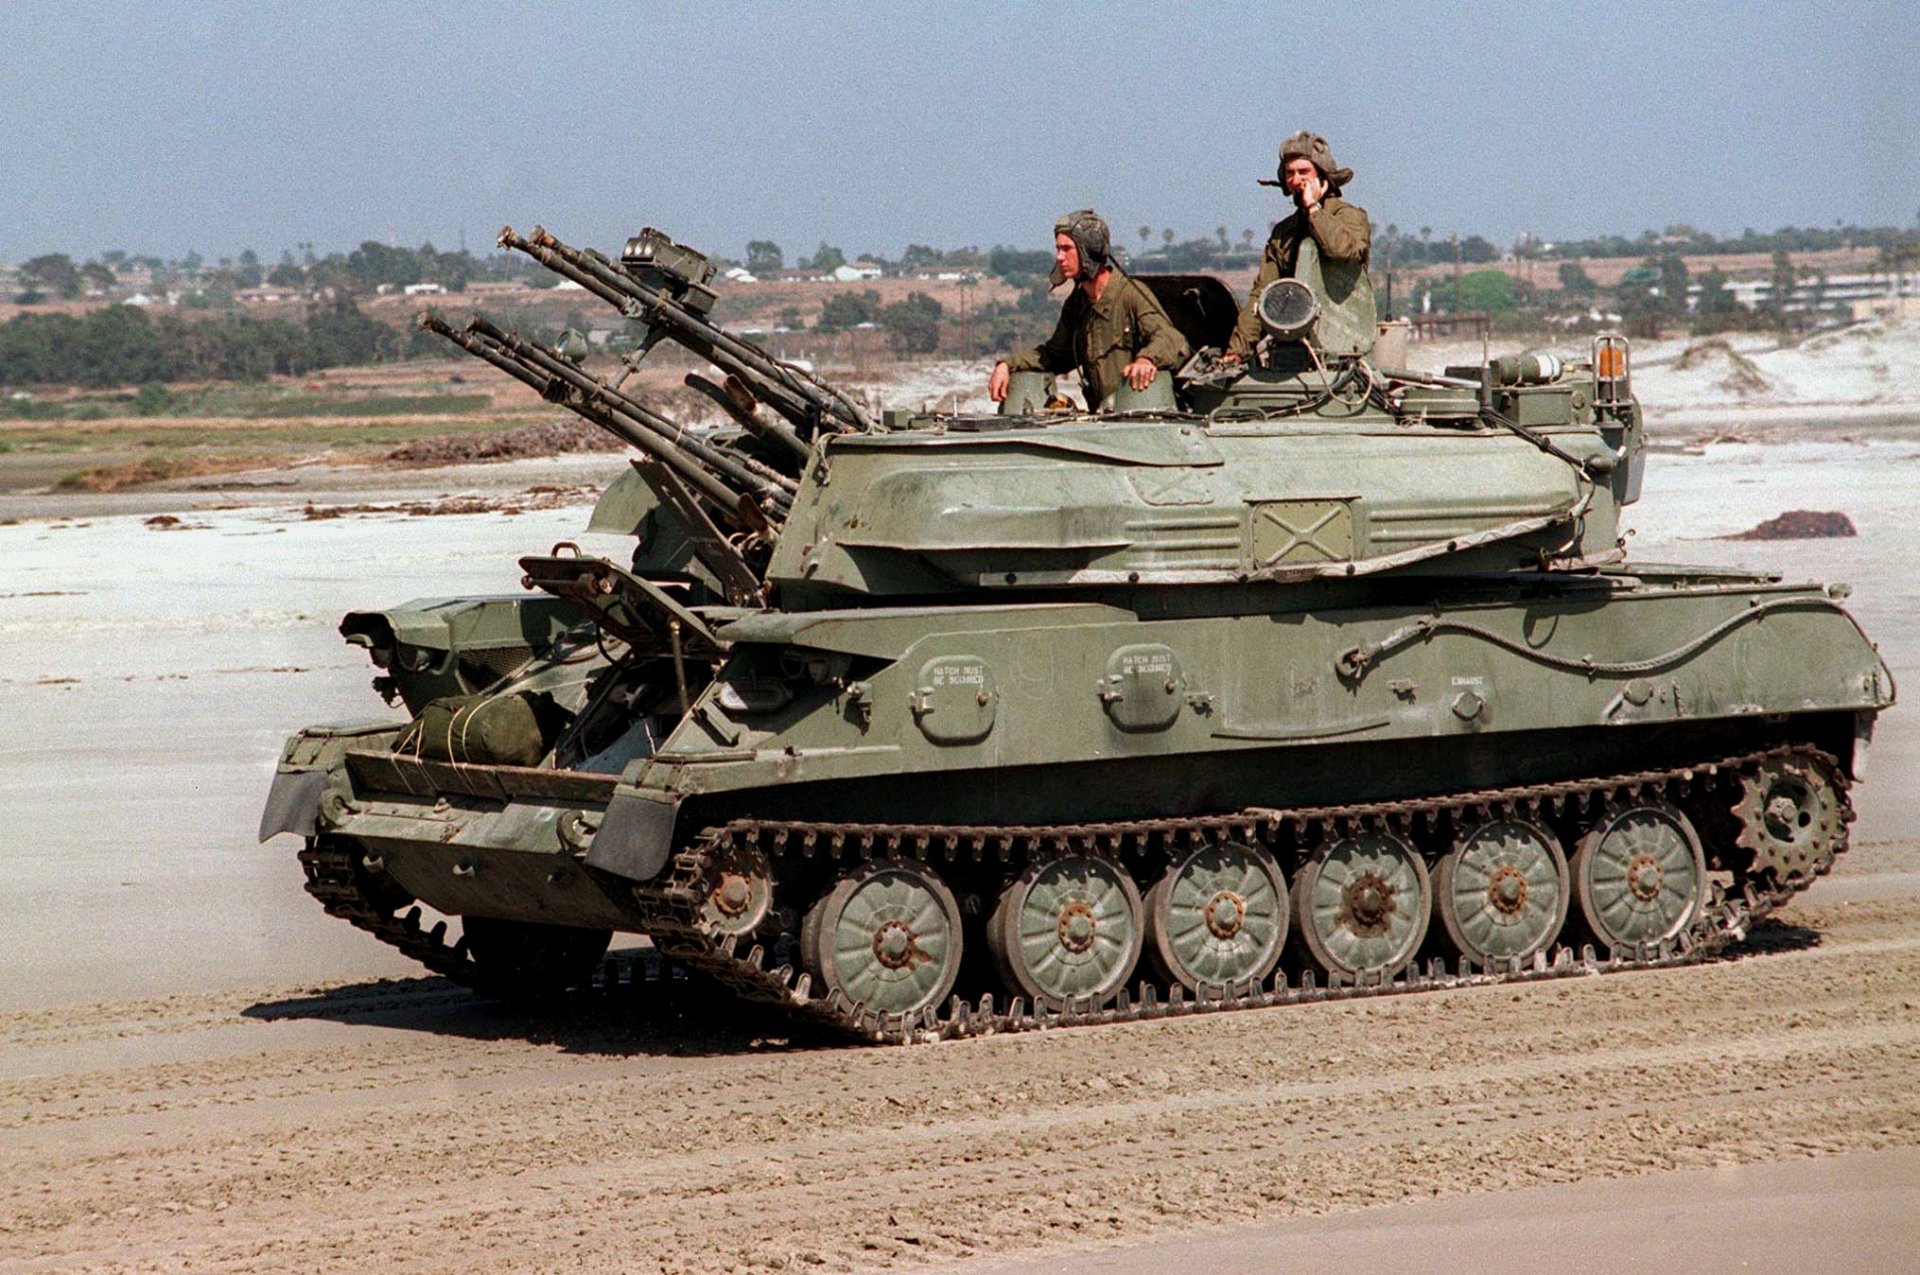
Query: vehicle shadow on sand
[[681, 1017], [1772, 936]]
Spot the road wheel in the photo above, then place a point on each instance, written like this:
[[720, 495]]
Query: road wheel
[[1218, 917], [886, 936], [1361, 905], [1639, 875], [1501, 891], [1067, 929]]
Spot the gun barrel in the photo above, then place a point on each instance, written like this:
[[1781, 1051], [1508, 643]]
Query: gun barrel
[[743, 471], [803, 399], [720, 478]]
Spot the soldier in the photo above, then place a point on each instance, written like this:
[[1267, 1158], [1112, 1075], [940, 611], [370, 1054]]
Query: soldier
[[1111, 328], [1340, 229]]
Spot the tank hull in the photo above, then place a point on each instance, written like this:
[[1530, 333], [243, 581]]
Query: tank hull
[[1521, 683]]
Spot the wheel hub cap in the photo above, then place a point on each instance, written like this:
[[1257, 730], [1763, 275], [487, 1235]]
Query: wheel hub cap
[[1644, 877], [732, 895], [1369, 900], [1507, 891], [1783, 817], [1225, 914], [1076, 926], [893, 945]]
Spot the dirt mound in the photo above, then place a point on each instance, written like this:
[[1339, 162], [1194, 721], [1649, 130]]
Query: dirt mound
[[548, 438], [541, 496], [1801, 524], [158, 469], [1732, 371]]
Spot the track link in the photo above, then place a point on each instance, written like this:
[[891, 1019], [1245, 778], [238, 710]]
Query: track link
[[672, 903]]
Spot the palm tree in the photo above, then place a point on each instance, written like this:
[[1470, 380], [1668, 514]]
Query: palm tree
[[1146, 233]]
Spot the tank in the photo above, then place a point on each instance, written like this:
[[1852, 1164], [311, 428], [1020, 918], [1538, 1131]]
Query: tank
[[1300, 679]]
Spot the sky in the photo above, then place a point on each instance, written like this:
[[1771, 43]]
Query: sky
[[219, 126]]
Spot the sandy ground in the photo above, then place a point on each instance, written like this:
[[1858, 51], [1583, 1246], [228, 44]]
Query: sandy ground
[[199, 1070]]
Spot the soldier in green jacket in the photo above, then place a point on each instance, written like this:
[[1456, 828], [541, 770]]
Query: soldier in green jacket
[[1340, 229], [1111, 328]]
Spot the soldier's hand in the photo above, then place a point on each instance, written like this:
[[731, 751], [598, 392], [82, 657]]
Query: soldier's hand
[[1140, 373], [1313, 192], [1232, 358], [997, 383]]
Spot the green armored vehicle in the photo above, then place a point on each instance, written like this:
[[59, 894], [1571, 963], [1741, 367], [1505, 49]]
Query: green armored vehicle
[[1310, 678]]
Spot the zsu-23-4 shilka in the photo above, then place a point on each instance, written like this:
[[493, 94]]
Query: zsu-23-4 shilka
[[1283, 680]]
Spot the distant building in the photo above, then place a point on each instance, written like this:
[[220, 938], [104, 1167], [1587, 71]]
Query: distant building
[[424, 290], [739, 274], [856, 272]]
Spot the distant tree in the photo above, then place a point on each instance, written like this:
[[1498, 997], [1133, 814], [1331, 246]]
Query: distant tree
[[913, 325], [790, 319], [1491, 290], [247, 272], [1673, 284], [1780, 292], [374, 264], [1191, 254], [1016, 266], [1246, 239], [1220, 233], [1717, 309], [825, 258], [764, 257], [286, 275], [53, 272], [1146, 233], [919, 256], [847, 310], [1576, 281], [1166, 237], [1476, 250], [98, 275]]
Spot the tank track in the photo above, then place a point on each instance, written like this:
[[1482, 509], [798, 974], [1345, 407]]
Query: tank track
[[672, 904], [334, 878]]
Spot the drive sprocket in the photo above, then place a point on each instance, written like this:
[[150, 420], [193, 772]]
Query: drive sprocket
[[1792, 818]]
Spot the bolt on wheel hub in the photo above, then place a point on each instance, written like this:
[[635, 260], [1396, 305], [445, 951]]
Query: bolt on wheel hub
[[1507, 890], [1225, 914], [1369, 901], [1076, 926], [1785, 818], [893, 945], [1644, 877]]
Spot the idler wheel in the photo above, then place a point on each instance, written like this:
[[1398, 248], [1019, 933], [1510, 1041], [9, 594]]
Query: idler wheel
[[886, 936], [1500, 892], [1361, 905], [1639, 875], [1067, 929], [1218, 917], [739, 891]]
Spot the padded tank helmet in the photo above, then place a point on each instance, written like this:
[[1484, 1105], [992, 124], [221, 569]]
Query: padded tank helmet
[[1091, 239], [1305, 145]]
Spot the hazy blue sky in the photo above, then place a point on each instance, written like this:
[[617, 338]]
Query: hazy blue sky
[[217, 126]]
